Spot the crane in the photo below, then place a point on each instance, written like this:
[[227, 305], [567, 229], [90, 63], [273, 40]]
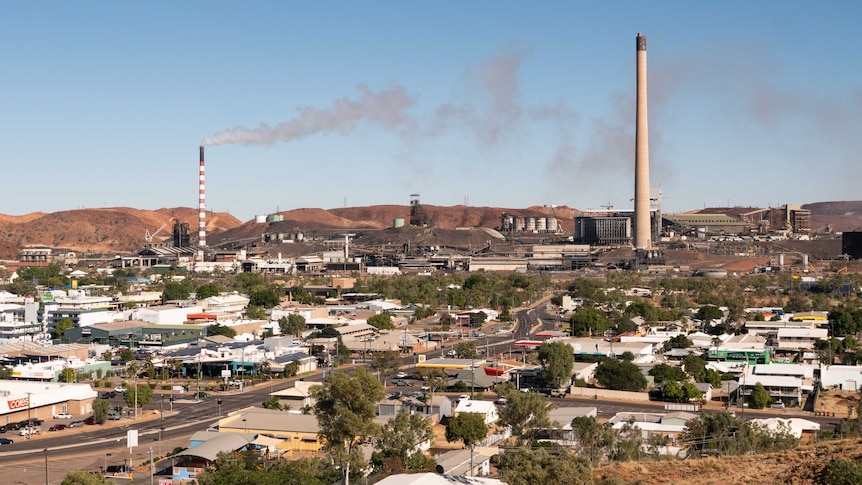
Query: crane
[[149, 237]]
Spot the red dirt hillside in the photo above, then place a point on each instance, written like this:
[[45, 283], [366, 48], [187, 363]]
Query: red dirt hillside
[[99, 231]]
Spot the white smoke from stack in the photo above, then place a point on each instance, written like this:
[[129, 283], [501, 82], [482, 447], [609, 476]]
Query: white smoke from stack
[[386, 108]]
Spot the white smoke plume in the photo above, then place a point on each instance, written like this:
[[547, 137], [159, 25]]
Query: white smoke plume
[[386, 108]]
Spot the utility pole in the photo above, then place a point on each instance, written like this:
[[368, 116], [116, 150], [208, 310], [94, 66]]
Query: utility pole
[[46, 465]]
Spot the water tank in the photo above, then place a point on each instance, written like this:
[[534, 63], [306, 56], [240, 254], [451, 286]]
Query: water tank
[[530, 224], [260, 219], [780, 260], [541, 224], [274, 218], [506, 222], [396, 223], [553, 225]]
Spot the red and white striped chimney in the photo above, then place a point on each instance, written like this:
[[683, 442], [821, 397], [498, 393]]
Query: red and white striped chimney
[[202, 207]]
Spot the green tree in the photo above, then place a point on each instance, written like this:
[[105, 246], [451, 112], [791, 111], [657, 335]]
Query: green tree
[[588, 321], [293, 324], [255, 312], [708, 312], [620, 376], [127, 355], [525, 412], [386, 363], [468, 428], [760, 397], [100, 410], [345, 407], [693, 365], [466, 350], [678, 342], [381, 321], [219, 329], [557, 359], [144, 395], [5, 372], [843, 472], [246, 469], [67, 375], [478, 318], [434, 379], [525, 466], [401, 435], [275, 403], [80, 477], [175, 291], [594, 439], [64, 324], [264, 296], [664, 372], [208, 290]]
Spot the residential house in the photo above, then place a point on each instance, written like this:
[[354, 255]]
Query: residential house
[[298, 396], [465, 462], [486, 408]]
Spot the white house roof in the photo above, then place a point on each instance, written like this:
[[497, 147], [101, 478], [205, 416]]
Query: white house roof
[[473, 406], [803, 332], [784, 370], [209, 449], [794, 426], [436, 479]]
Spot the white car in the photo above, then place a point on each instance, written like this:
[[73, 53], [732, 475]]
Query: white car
[[119, 389], [30, 430], [62, 416]]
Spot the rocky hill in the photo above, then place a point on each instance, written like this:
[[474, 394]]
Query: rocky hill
[[99, 231], [122, 229]]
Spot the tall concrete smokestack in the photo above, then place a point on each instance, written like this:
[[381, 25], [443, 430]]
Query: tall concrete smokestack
[[202, 207], [643, 232]]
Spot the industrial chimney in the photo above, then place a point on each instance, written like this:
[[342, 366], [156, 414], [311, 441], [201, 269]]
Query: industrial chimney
[[202, 207], [643, 231]]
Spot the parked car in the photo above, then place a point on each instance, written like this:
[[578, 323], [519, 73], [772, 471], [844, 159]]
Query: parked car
[[57, 427], [109, 394], [62, 416], [119, 389], [76, 424], [777, 405], [6, 441], [35, 422], [400, 382], [114, 416], [401, 375], [91, 420], [237, 383], [29, 430], [501, 400]]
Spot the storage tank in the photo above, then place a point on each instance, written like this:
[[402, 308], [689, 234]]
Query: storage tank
[[780, 260], [274, 218], [396, 223], [260, 218], [300, 236], [541, 224], [506, 222], [530, 225], [553, 225], [519, 223]]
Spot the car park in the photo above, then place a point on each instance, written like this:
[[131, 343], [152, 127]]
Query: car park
[[62, 416], [6, 441], [57, 427], [76, 424]]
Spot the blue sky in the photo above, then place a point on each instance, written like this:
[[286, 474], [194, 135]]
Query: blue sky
[[506, 104]]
